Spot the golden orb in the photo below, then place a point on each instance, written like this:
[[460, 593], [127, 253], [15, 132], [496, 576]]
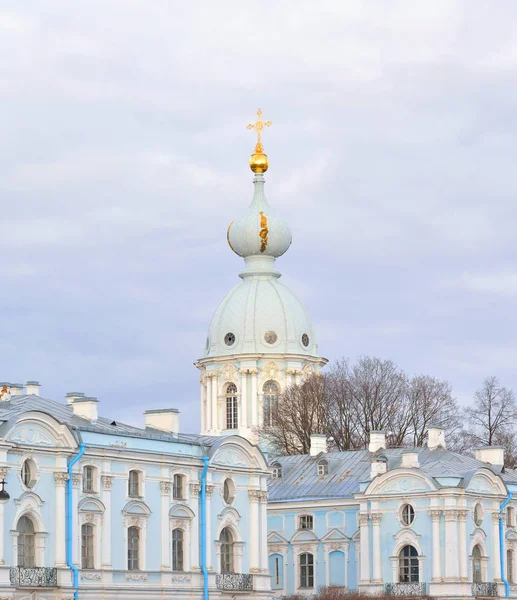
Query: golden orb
[[258, 162]]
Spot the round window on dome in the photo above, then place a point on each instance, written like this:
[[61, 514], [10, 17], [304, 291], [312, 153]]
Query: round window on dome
[[270, 337], [229, 339], [305, 340]]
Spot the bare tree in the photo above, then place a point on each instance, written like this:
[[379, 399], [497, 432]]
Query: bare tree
[[494, 413]]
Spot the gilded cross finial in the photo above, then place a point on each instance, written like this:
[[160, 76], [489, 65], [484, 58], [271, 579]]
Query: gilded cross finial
[[258, 126]]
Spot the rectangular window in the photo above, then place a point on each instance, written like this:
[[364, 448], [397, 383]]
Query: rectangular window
[[133, 549], [306, 522], [88, 480], [232, 419], [277, 571], [177, 550], [134, 484], [306, 571], [177, 487], [87, 546]]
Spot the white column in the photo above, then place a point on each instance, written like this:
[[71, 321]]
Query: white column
[[215, 423], [451, 545], [365, 549], [76, 530], [3, 474], [209, 532], [496, 558], [194, 527], [244, 400], [263, 562], [254, 496], [437, 567], [254, 407], [165, 487], [462, 517], [208, 404], [376, 531], [60, 515], [297, 377], [202, 388], [107, 481]]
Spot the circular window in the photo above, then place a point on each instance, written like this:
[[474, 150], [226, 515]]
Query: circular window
[[229, 339], [28, 473], [228, 491], [270, 337], [408, 514], [305, 340], [478, 515]]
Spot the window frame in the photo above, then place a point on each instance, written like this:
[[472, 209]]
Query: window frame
[[407, 514], [306, 522], [178, 549], [271, 392], [87, 552], [306, 570], [407, 563], [276, 472], [178, 487], [133, 550], [131, 484], [232, 407], [477, 560], [227, 551], [26, 541], [91, 470]]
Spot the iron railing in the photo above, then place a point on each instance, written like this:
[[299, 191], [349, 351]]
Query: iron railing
[[406, 589], [234, 581], [33, 576], [487, 589]]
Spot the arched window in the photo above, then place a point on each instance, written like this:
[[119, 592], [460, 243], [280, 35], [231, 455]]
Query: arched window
[[271, 391], [226, 540], [408, 514], [134, 484], [408, 565], [509, 566], [277, 471], [133, 549], [26, 542], [177, 487], [232, 412], [87, 561], [177, 550], [88, 479], [306, 570], [323, 467], [477, 576]]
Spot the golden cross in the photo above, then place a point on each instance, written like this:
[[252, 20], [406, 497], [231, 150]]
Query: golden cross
[[258, 126]]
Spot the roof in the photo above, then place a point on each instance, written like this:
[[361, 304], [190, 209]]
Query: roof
[[347, 470], [64, 414]]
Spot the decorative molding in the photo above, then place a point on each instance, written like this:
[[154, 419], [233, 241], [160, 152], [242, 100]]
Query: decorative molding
[[165, 487], [180, 578], [451, 514], [61, 478], [107, 482], [376, 518], [91, 576], [229, 373], [76, 480], [195, 489], [3, 474], [462, 515], [136, 576], [363, 518], [435, 514], [210, 490], [496, 516], [254, 495]]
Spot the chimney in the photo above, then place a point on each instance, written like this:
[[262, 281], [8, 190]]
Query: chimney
[[377, 441], [493, 455], [410, 460], [16, 389], [379, 466], [86, 408], [32, 388], [436, 437], [163, 419], [71, 397], [318, 444]]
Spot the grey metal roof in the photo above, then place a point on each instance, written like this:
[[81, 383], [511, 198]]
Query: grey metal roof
[[347, 470], [64, 414]]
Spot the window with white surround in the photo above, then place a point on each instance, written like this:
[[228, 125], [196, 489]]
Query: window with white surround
[[306, 570], [478, 515], [510, 516], [232, 411], [323, 467], [88, 479], [87, 546], [306, 522], [28, 473], [408, 565], [407, 514], [271, 391], [133, 549], [477, 574], [228, 491], [177, 549], [26, 542], [177, 487], [509, 566], [227, 557], [134, 486], [277, 471]]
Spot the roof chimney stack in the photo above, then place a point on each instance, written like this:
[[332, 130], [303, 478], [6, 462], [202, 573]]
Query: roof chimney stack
[[71, 397], [377, 441], [163, 419], [86, 408], [410, 460], [436, 437], [32, 388], [493, 455], [379, 467], [318, 444]]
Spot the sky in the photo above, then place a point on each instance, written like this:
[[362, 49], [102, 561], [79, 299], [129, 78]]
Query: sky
[[123, 158]]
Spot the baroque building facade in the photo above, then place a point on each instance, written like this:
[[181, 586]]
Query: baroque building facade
[[93, 508]]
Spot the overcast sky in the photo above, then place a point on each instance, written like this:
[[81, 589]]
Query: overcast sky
[[123, 158]]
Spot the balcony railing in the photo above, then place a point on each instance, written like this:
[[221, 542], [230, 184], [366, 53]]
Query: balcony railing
[[406, 589], [486, 589], [33, 576], [234, 582]]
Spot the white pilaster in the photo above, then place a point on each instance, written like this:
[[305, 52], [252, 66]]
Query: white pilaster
[[377, 560], [254, 496], [107, 481], [243, 414], [496, 557], [297, 377], [215, 423], [263, 559], [437, 567], [209, 532], [165, 487], [76, 531], [194, 528], [3, 474], [254, 399], [208, 405], [451, 545], [202, 388], [60, 515], [462, 517], [365, 549]]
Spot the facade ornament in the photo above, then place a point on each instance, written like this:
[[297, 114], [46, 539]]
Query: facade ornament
[[263, 497], [136, 576], [165, 487], [244, 370], [210, 490], [89, 517], [496, 516], [451, 514], [229, 373], [180, 578], [271, 370], [4, 472], [376, 518], [336, 546], [61, 478], [76, 480], [462, 515], [275, 548], [107, 482], [363, 519], [435, 515], [254, 495], [5, 393], [253, 370], [195, 490], [91, 576]]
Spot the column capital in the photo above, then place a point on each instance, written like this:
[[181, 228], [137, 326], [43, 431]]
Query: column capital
[[210, 490], [462, 514], [107, 482], [61, 478], [254, 495], [451, 514], [195, 489], [435, 514], [244, 370], [76, 480], [363, 518], [4, 471], [496, 516], [165, 487], [376, 518], [253, 371]]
